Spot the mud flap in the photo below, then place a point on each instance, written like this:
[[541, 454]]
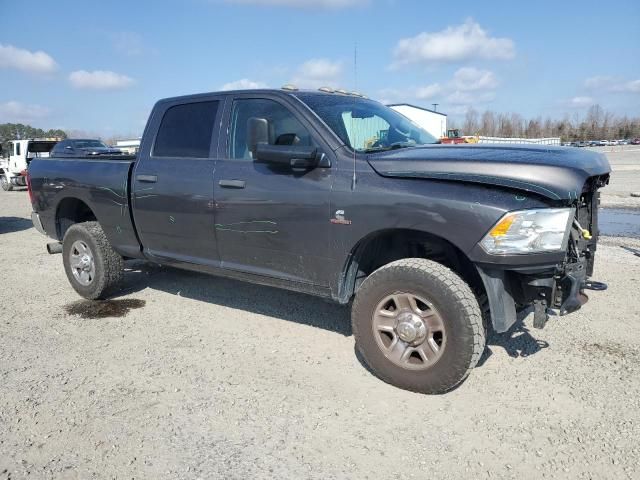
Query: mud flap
[[501, 303]]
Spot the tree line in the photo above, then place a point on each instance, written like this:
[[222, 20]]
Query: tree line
[[596, 124], [17, 131]]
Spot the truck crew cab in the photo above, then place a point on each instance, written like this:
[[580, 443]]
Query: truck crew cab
[[336, 195]]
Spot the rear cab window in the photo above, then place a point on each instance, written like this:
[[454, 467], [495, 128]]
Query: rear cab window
[[186, 130]]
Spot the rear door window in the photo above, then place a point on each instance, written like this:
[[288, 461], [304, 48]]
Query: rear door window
[[186, 130]]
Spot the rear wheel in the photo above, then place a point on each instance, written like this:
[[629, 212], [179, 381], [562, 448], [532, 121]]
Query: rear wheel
[[5, 182], [418, 326], [93, 268]]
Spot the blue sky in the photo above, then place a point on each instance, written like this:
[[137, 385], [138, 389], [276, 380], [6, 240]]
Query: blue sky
[[100, 66]]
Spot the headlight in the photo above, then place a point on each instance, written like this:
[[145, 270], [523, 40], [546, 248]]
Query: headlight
[[530, 231]]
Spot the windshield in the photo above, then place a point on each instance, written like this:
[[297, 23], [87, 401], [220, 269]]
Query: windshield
[[89, 144], [366, 125]]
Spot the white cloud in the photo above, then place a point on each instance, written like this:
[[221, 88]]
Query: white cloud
[[599, 82], [612, 84], [468, 86], [429, 91], [18, 112], [391, 95], [318, 72], [243, 84], [128, 43], [303, 3], [471, 79], [100, 80], [580, 102], [21, 59], [632, 86], [468, 98], [453, 44], [458, 110]]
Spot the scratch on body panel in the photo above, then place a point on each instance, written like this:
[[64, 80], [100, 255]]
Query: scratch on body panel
[[247, 227]]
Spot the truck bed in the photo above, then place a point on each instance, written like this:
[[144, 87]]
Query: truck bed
[[100, 181]]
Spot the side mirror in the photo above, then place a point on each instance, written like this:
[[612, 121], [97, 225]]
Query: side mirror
[[257, 133], [291, 156]]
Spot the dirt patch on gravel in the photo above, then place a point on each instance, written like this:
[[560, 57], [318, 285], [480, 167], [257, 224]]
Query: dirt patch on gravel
[[103, 309]]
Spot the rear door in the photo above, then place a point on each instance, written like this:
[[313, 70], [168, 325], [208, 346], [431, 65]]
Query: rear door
[[172, 182]]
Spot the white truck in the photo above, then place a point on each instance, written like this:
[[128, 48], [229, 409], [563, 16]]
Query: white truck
[[13, 168]]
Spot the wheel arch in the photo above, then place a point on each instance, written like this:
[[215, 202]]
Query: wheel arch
[[71, 210], [385, 246]]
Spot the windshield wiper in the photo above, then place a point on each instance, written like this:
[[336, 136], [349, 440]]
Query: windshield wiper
[[393, 146]]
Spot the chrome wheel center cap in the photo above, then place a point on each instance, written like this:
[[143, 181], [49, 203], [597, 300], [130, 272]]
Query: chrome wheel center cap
[[85, 262], [411, 328]]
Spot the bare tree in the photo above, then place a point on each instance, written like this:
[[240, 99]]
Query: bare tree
[[488, 123], [595, 125], [471, 124]]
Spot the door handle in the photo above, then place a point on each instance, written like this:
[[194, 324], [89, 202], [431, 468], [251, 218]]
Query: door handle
[[232, 183], [147, 178]]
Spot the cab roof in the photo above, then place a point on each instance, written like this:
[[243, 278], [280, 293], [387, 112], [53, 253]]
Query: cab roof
[[292, 91]]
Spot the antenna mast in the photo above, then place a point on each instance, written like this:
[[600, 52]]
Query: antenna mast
[[355, 80]]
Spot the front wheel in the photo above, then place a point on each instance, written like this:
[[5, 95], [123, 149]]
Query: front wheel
[[93, 268], [418, 326]]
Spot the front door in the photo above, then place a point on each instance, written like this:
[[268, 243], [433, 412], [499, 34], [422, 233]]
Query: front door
[[271, 220], [173, 182]]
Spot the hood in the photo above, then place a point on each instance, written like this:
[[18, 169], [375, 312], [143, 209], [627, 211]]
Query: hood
[[558, 173]]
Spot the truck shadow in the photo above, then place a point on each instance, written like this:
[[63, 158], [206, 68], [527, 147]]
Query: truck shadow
[[283, 304], [14, 224], [517, 342], [290, 306]]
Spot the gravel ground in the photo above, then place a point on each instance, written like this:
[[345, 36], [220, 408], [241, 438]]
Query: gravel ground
[[189, 376]]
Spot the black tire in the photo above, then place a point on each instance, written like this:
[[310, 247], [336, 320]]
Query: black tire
[[456, 306], [109, 266], [6, 184]]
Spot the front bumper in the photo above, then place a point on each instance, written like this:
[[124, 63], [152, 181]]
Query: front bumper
[[515, 283], [512, 292]]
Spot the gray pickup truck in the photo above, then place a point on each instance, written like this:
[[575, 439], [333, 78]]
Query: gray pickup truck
[[336, 195]]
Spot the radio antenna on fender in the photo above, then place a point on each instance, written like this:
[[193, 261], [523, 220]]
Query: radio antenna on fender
[[355, 81]]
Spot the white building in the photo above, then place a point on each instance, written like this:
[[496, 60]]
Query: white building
[[433, 122], [130, 147]]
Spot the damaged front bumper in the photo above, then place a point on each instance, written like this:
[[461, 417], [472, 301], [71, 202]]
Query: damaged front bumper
[[515, 285], [514, 292]]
